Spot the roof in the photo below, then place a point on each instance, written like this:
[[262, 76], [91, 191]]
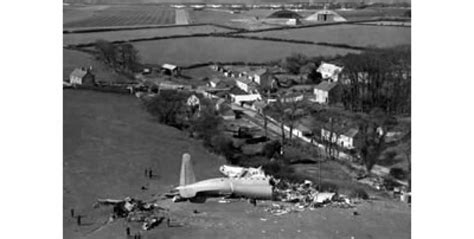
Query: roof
[[326, 86], [244, 80], [259, 72], [215, 80], [237, 91], [79, 73], [329, 68], [169, 66], [284, 14], [351, 132]]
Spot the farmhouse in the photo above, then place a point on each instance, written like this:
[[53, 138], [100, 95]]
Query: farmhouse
[[329, 71], [170, 69], [326, 92], [285, 17], [82, 76]]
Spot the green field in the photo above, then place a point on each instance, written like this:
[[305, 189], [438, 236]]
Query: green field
[[194, 50], [117, 15], [354, 35], [76, 38]]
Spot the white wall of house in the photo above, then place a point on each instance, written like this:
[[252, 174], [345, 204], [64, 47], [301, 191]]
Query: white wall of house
[[242, 85], [240, 98], [75, 80], [321, 96], [342, 140]]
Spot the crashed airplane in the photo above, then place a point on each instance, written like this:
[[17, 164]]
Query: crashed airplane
[[254, 186]]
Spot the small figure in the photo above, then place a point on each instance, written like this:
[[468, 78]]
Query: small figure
[[79, 220], [72, 212], [253, 201], [150, 173], [128, 231]]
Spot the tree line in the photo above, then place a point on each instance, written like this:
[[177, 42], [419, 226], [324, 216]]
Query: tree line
[[122, 57]]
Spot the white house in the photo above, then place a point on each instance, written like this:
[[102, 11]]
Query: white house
[[349, 139], [239, 99], [82, 76], [246, 85], [325, 92], [329, 71], [256, 76]]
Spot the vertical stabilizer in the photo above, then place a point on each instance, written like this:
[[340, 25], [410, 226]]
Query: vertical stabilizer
[[187, 173]]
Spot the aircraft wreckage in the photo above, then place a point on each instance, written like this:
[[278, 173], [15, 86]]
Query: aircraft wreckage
[[250, 183]]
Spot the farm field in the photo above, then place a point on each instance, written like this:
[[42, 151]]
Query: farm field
[[370, 13], [77, 38], [76, 59], [354, 35], [186, 51], [126, 15]]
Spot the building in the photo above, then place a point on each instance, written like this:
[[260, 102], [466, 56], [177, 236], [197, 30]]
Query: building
[[214, 82], [348, 139], [246, 85], [82, 76], [329, 71], [326, 92], [325, 16], [170, 69], [239, 96], [257, 75], [228, 114], [292, 97]]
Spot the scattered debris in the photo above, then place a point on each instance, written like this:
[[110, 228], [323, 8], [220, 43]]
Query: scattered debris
[[150, 214]]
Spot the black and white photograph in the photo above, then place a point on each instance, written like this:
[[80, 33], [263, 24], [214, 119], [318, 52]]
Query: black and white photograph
[[236, 119]]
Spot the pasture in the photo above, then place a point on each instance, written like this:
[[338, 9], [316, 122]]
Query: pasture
[[186, 51], [119, 15], [125, 35], [354, 35]]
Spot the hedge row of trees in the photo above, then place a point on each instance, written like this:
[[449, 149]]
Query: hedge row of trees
[[122, 57]]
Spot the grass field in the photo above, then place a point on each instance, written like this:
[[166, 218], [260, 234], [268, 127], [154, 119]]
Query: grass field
[[75, 59], [77, 38], [108, 142], [187, 51], [118, 15], [355, 35]]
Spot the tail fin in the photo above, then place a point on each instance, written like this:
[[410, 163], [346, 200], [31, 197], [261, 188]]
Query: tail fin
[[187, 173]]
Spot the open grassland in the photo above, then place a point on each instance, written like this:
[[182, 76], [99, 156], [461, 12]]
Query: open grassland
[[125, 35], [121, 15], [186, 51], [109, 140], [76, 59], [354, 35]]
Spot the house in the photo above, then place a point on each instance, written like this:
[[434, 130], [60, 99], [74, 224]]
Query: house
[[82, 76], [170, 69], [292, 97], [214, 82], [326, 92], [228, 114], [348, 138], [246, 85], [329, 71], [239, 96], [257, 75], [287, 80]]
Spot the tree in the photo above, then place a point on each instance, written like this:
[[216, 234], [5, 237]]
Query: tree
[[293, 63], [127, 56], [309, 71], [106, 51], [373, 144], [168, 107]]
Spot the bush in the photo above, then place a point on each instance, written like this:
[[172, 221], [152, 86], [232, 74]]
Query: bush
[[359, 193], [398, 173]]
